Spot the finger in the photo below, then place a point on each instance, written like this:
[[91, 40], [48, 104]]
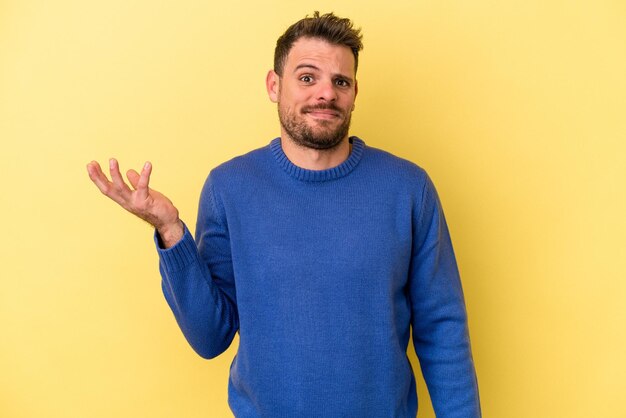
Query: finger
[[117, 179], [133, 178], [97, 176], [144, 180]]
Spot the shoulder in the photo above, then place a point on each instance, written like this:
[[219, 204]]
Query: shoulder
[[240, 169], [406, 180], [241, 163], [393, 168]]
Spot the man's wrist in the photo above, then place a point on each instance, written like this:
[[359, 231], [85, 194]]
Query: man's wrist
[[170, 234]]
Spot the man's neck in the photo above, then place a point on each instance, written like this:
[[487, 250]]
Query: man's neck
[[314, 159]]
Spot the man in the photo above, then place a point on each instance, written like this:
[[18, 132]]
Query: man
[[320, 251]]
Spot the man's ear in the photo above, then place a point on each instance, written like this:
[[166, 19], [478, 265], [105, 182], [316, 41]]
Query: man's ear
[[272, 83]]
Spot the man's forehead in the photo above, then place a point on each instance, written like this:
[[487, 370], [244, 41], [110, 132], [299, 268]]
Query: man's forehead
[[313, 52]]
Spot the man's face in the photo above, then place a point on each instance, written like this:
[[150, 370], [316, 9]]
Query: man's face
[[315, 94]]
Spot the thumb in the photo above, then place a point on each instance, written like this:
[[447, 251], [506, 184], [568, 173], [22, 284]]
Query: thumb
[[133, 178]]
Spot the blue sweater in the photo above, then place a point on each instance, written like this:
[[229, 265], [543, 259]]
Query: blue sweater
[[323, 274]]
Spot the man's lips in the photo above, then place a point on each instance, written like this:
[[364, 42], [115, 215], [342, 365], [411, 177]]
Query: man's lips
[[322, 113]]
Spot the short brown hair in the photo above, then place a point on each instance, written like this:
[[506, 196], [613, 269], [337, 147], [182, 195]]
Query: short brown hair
[[328, 27]]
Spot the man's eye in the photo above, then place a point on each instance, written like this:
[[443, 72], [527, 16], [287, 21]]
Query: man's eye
[[306, 78], [343, 83]]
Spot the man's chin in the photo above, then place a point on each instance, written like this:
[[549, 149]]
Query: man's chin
[[323, 126], [316, 133], [322, 142]]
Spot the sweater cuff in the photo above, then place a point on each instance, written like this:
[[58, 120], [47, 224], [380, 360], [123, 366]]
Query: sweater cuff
[[180, 255]]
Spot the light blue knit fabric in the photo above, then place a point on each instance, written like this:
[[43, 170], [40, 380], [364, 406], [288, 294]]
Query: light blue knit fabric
[[323, 274]]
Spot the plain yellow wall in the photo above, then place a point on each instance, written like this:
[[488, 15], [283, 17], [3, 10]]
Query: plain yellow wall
[[517, 110]]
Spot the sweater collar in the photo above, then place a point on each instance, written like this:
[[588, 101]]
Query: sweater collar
[[304, 174]]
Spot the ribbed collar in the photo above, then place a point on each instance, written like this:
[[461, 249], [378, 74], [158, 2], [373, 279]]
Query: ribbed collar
[[304, 174]]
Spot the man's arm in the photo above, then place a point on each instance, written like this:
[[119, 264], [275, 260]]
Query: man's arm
[[200, 297], [198, 280], [439, 319]]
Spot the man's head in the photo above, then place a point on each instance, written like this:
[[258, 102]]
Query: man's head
[[328, 27], [314, 80]]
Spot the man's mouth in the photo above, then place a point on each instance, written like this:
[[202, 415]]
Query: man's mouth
[[322, 112]]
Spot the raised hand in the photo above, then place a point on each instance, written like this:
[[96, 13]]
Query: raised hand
[[148, 204]]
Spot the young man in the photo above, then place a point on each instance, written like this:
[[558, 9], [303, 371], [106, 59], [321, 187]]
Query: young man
[[320, 251]]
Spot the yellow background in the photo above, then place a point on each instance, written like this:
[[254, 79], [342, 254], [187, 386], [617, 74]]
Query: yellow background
[[516, 109]]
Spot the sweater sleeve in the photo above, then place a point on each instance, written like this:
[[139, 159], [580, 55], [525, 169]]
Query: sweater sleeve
[[198, 282], [439, 319]]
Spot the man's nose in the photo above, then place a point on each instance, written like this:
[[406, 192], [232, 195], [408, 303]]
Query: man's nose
[[326, 91]]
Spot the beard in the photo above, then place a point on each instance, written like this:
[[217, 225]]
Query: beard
[[325, 137]]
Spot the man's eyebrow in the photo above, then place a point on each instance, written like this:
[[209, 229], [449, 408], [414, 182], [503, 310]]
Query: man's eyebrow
[[300, 66]]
